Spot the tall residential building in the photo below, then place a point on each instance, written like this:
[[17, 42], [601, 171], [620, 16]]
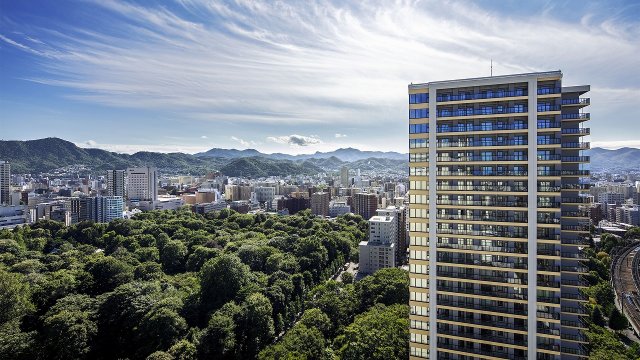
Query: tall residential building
[[115, 183], [5, 182], [320, 203], [498, 218], [365, 205], [105, 208], [142, 184], [379, 252], [399, 214], [344, 176]]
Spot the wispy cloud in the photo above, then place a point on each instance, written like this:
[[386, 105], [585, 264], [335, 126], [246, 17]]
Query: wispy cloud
[[616, 144], [134, 148], [319, 63], [337, 136], [295, 140]]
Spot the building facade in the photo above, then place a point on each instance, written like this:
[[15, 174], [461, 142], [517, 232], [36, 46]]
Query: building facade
[[365, 205], [115, 183], [142, 184], [320, 203], [5, 182], [497, 218], [379, 251]]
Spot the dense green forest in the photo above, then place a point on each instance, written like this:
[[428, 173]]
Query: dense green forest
[[605, 320], [177, 285]]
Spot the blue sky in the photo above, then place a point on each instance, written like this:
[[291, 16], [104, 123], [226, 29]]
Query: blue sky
[[295, 77]]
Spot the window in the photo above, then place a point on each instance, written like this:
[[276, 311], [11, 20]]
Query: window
[[419, 98], [418, 113], [418, 128]]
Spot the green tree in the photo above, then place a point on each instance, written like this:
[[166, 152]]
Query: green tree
[[218, 339], [161, 328], [70, 328], [597, 317], [617, 321], [173, 256], [316, 319], [107, 273], [300, 342], [14, 297], [184, 350], [379, 334], [221, 278], [386, 286], [255, 325], [199, 256]]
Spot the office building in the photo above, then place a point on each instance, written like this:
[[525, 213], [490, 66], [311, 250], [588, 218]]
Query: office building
[[115, 183], [498, 218], [320, 203], [365, 205], [338, 208], [265, 193], [5, 182], [344, 176], [611, 198], [379, 252], [105, 208], [142, 184]]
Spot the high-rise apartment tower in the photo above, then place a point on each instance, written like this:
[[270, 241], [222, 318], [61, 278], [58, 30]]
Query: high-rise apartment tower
[[5, 182], [497, 218], [115, 183]]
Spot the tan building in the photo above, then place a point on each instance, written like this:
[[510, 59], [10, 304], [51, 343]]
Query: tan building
[[320, 203], [365, 205], [497, 218]]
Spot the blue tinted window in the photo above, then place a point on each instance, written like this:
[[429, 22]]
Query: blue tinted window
[[419, 98], [418, 113]]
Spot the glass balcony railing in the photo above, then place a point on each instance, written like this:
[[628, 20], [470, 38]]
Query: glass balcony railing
[[482, 95], [505, 188], [485, 158], [492, 127], [580, 101], [442, 144], [483, 307], [576, 200], [498, 279], [483, 111], [483, 173], [549, 141], [576, 131], [576, 145], [484, 203], [503, 234], [576, 158], [549, 90], [576, 172], [517, 219], [548, 125], [548, 107], [581, 116]]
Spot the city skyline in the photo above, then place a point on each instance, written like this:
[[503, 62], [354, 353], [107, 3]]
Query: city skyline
[[189, 76]]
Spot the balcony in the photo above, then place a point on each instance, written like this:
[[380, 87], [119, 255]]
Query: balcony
[[483, 111], [483, 158], [488, 308], [549, 347], [580, 159], [548, 188], [549, 141], [499, 279], [578, 131], [576, 200], [574, 255], [547, 91], [483, 173], [576, 186], [585, 228], [575, 282], [550, 157], [485, 203], [574, 296], [480, 96], [547, 330], [489, 337], [582, 214], [574, 337], [581, 116], [579, 241], [576, 145], [547, 107], [548, 125], [477, 351], [446, 144], [464, 218], [548, 204], [478, 262], [491, 127], [549, 299], [576, 172], [511, 325], [579, 101], [580, 351], [506, 188], [548, 268], [504, 249], [505, 234], [575, 269]]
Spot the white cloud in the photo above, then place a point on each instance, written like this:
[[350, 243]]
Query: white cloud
[[616, 144], [322, 63], [133, 148], [337, 136], [203, 137], [90, 143], [295, 140]]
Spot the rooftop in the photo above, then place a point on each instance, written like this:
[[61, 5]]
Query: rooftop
[[510, 77]]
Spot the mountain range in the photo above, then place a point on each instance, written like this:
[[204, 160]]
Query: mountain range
[[43, 155]]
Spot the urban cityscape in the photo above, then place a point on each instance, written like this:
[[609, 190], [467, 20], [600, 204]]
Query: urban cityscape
[[498, 225]]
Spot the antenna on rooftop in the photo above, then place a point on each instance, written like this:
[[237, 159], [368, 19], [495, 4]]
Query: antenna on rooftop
[[491, 67]]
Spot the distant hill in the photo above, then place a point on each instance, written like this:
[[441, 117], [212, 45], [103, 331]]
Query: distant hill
[[42, 155], [620, 159], [344, 154], [256, 167]]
